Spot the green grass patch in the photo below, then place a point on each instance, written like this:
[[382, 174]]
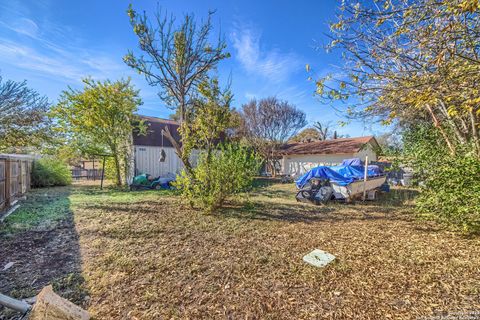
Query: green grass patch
[[45, 207], [87, 195], [42, 209]]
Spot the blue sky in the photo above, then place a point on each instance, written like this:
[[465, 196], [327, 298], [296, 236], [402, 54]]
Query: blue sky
[[53, 44]]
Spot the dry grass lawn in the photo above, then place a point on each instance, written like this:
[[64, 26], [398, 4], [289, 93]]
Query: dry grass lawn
[[145, 255]]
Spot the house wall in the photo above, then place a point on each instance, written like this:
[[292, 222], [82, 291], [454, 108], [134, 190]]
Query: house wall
[[296, 165], [147, 160], [368, 151]]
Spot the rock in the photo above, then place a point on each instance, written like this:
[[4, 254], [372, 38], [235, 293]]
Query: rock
[[50, 306]]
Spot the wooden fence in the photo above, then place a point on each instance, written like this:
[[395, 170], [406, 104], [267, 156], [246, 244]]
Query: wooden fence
[[89, 174], [15, 173]]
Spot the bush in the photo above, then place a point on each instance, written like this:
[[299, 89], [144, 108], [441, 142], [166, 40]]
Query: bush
[[49, 172], [450, 184], [225, 173]]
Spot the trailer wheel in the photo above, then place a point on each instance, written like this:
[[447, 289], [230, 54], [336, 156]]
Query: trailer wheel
[[306, 194]]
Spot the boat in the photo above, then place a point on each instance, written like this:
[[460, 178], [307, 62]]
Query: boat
[[344, 182], [356, 188]]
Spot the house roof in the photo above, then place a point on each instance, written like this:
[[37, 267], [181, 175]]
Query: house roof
[[334, 146], [154, 132]]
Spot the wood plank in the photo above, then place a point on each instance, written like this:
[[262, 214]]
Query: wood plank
[[51, 306]]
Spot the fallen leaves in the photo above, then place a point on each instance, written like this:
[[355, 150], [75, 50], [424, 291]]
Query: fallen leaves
[[158, 259]]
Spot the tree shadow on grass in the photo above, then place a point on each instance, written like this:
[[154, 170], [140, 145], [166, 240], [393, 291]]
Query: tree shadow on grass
[[388, 207], [277, 193], [292, 213], [149, 207], [396, 201], [262, 182], [396, 197], [41, 240], [278, 212]]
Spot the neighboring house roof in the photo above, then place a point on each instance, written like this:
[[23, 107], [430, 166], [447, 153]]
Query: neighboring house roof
[[334, 146], [154, 132]]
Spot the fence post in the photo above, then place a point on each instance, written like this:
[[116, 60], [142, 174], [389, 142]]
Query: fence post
[[19, 177], [7, 183], [365, 175], [103, 173]]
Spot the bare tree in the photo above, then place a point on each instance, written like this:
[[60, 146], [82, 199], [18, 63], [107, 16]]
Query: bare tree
[[323, 129], [269, 123], [177, 59], [23, 116]]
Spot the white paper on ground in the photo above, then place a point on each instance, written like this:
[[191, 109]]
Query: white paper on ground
[[318, 258]]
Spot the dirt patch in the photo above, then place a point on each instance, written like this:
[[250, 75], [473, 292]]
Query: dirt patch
[[45, 254]]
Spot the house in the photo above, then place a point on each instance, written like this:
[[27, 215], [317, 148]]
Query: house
[[154, 153], [298, 158]]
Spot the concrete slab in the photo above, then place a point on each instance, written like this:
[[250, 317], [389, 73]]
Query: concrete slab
[[318, 258]]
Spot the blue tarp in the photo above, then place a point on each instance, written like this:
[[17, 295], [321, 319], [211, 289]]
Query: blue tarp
[[341, 175], [352, 162], [323, 172], [376, 169]]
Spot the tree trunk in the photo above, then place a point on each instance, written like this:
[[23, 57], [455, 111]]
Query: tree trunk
[[437, 125], [178, 150], [129, 161], [453, 125], [475, 133], [118, 169], [272, 166]]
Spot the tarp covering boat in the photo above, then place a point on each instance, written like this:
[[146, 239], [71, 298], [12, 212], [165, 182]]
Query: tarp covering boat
[[352, 162], [341, 175]]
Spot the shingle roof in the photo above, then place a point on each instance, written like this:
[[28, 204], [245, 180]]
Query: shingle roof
[[154, 132], [334, 146]]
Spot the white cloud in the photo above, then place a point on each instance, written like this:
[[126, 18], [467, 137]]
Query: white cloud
[[64, 64], [51, 50], [53, 56], [25, 26], [271, 64]]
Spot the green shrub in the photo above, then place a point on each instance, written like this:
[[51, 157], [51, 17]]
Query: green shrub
[[225, 173], [49, 172], [450, 184]]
